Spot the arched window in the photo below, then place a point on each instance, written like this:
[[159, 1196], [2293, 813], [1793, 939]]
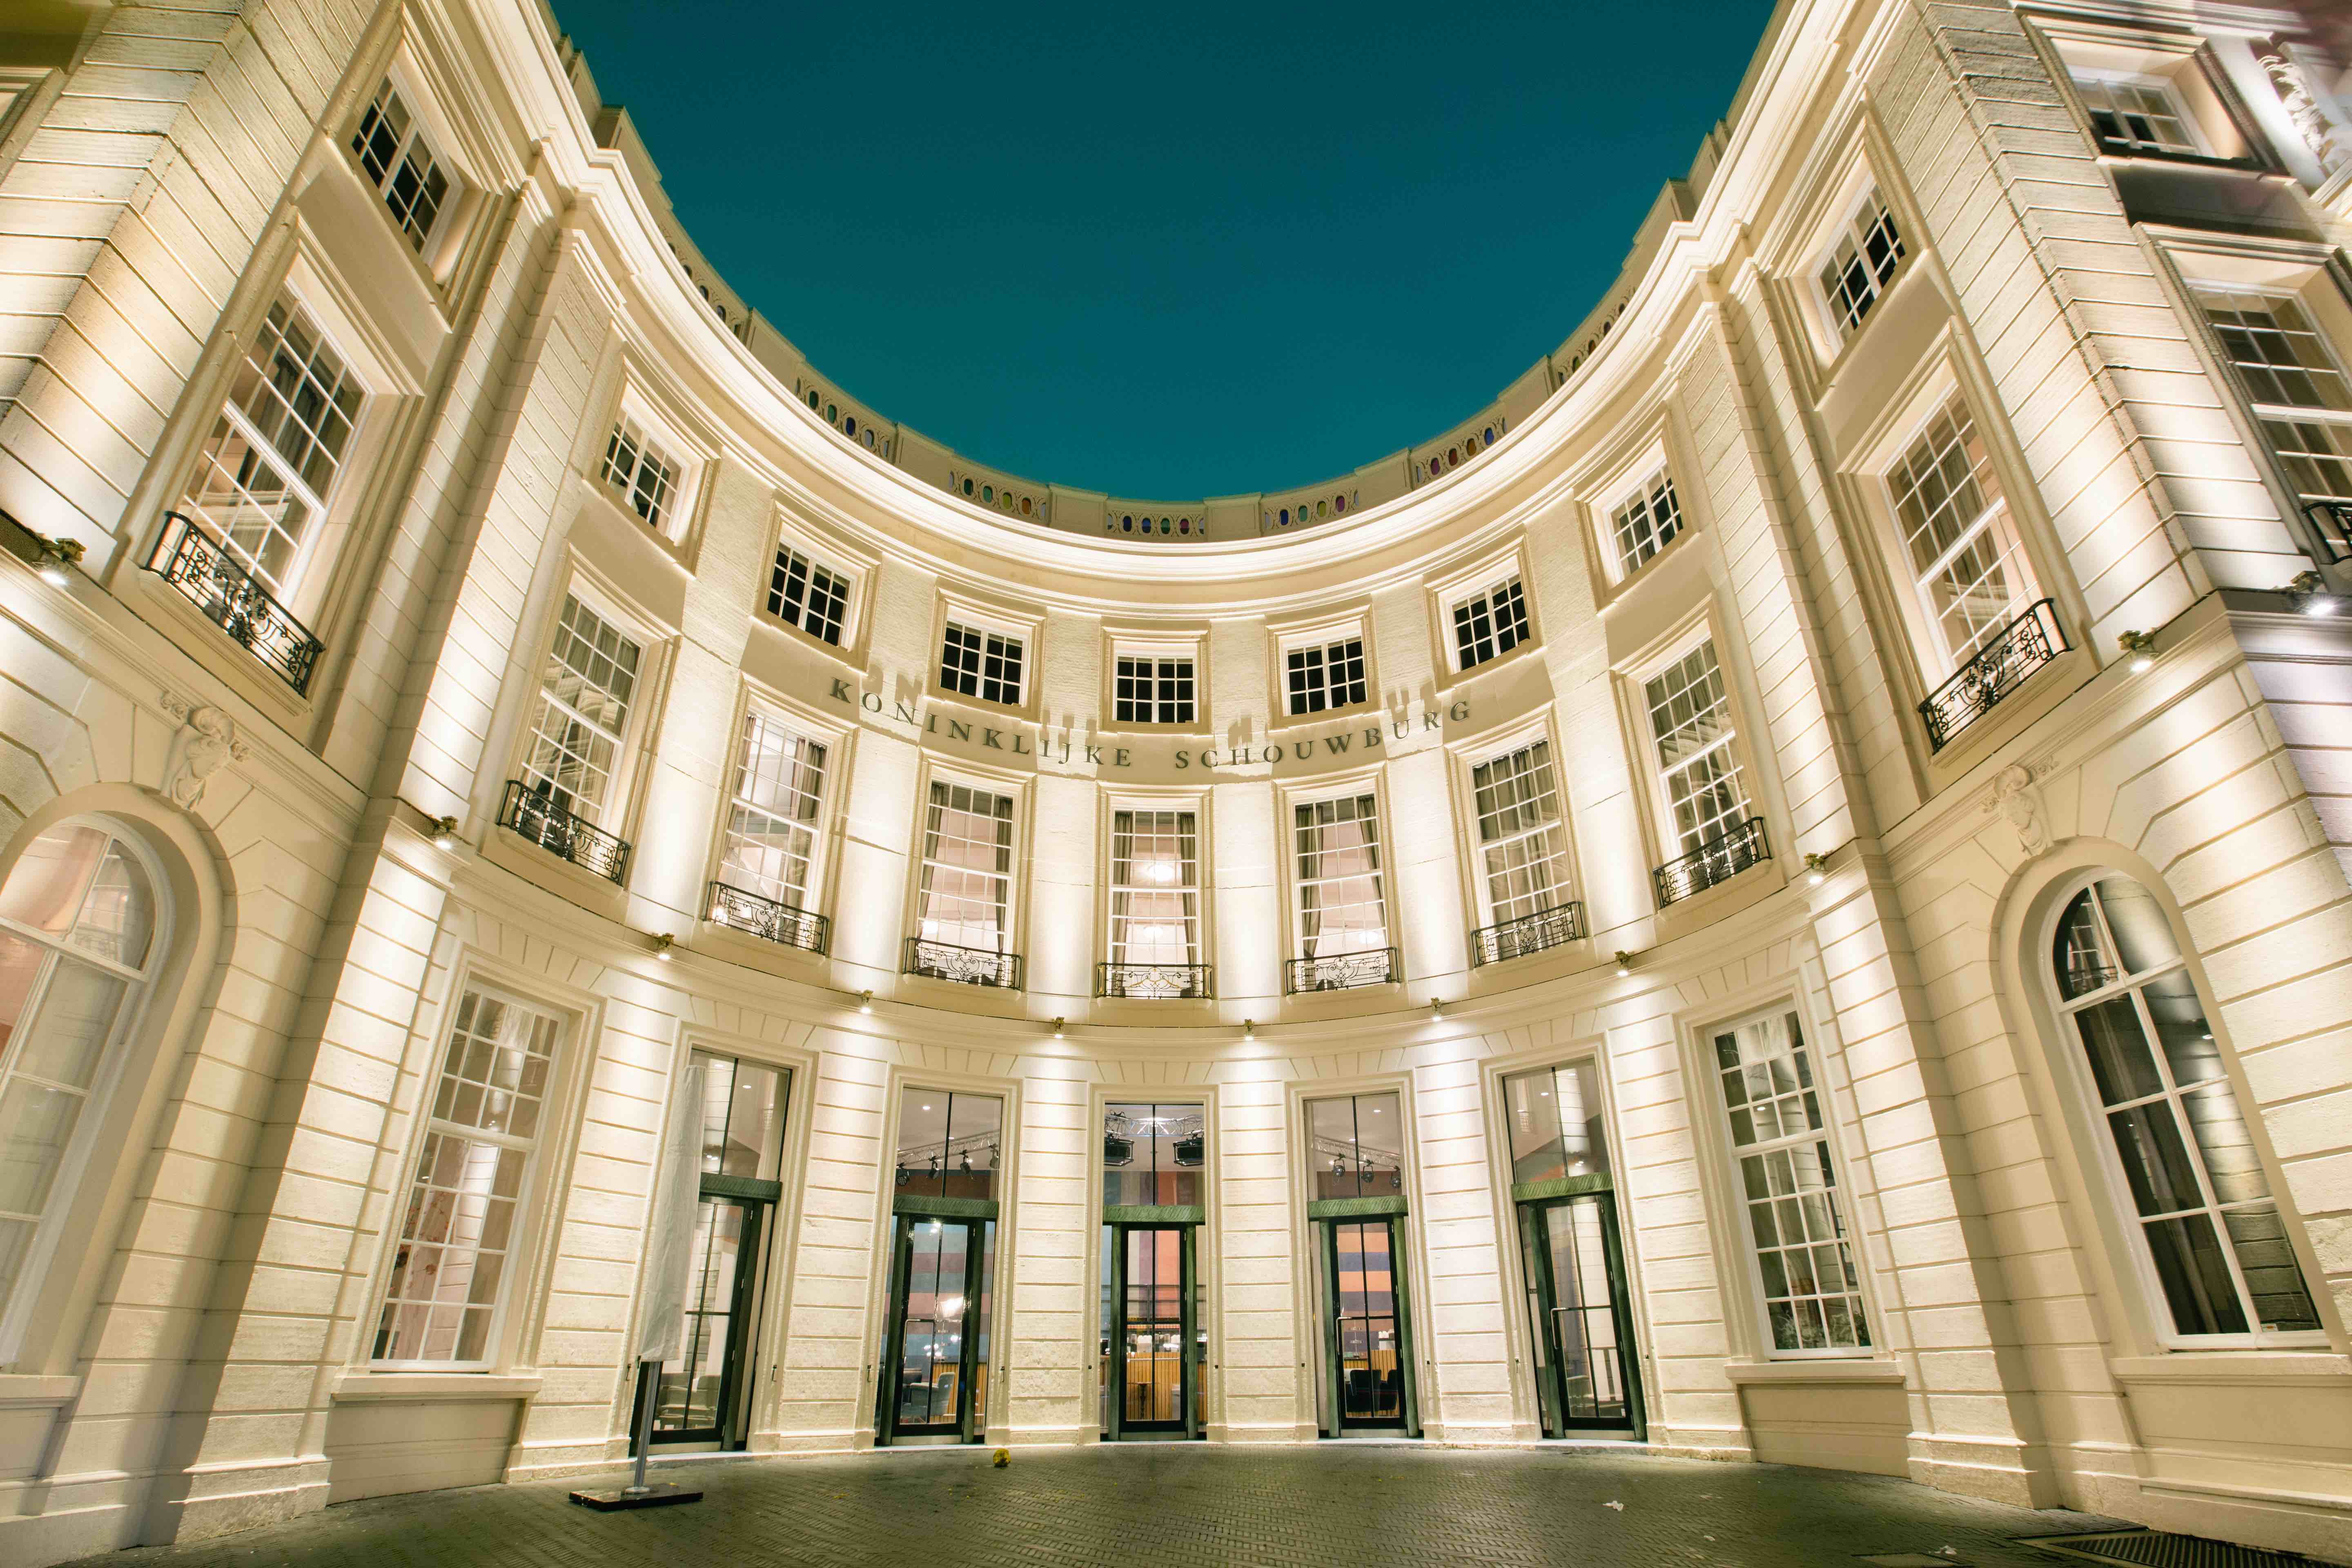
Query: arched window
[[2183, 1164], [79, 935]]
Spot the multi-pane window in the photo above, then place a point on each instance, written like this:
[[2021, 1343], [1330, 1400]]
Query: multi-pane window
[[392, 149], [1155, 888], [2136, 116], [2208, 1228], [1868, 250], [585, 694], [461, 1225], [1522, 850], [1324, 675], [644, 477], [1967, 561], [77, 935], [1490, 623], [2296, 385], [1691, 721], [966, 891], [1341, 906], [772, 820], [1646, 520], [1152, 689], [270, 466], [1812, 1297], [804, 594], [975, 661]]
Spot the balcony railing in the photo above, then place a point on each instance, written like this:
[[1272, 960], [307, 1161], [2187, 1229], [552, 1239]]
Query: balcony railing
[[217, 583], [1153, 982], [2000, 668], [1503, 940], [780, 924], [1340, 971], [1719, 859], [964, 965], [2332, 522], [556, 830]]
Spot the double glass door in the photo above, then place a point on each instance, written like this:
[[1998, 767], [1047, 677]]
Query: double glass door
[[1367, 1336], [1585, 1365], [935, 1372], [1152, 1333], [699, 1398]]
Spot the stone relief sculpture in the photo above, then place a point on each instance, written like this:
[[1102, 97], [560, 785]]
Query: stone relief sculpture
[[206, 739], [2303, 107]]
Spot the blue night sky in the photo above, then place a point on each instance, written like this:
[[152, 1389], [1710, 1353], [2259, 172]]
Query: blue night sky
[[1169, 252]]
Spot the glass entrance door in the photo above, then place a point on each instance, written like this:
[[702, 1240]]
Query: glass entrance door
[[936, 1364], [1154, 1346], [697, 1397], [1585, 1372], [1366, 1333]]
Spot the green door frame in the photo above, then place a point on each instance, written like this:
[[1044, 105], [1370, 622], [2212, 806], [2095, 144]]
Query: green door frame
[[908, 1212], [1533, 1198], [1188, 1279], [1326, 1216]]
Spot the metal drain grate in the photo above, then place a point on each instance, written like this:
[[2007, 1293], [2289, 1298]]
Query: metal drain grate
[[2155, 1549]]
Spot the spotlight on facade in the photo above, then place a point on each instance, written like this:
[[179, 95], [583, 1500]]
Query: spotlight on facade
[[57, 562], [663, 942], [1817, 870], [1057, 1029], [1436, 1009], [445, 833], [2308, 594], [1624, 962], [2141, 647], [1249, 1029], [865, 1000]]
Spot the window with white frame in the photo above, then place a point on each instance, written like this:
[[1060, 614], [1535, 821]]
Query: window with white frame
[[2136, 114], [1155, 887], [81, 932], [394, 155], [980, 661], [1324, 675], [1861, 263], [1341, 909], [641, 473], [1522, 845], [808, 594], [1787, 1182], [1965, 558], [773, 815], [1152, 689], [1692, 725], [2295, 383], [2183, 1171], [965, 894], [462, 1225], [581, 721], [1489, 623], [1646, 522], [269, 470]]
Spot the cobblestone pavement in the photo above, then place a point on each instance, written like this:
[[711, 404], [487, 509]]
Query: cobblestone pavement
[[1175, 1504]]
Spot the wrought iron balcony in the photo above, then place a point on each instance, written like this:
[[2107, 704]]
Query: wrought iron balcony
[[1528, 933], [1719, 859], [964, 965], [780, 924], [555, 829], [2000, 668], [1153, 982], [231, 597], [1342, 970], [2332, 522]]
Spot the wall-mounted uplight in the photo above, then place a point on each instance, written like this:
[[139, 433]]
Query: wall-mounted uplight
[[1625, 962], [1249, 1029], [1817, 870], [1436, 1008], [2141, 647], [2308, 594], [445, 833], [663, 942], [1057, 1028], [865, 1000], [59, 557]]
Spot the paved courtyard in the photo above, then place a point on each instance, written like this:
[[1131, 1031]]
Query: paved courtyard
[[1356, 1504]]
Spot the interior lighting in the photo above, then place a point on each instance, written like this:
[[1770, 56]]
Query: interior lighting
[[1624, 962], [2141, 647], [1161, 871]]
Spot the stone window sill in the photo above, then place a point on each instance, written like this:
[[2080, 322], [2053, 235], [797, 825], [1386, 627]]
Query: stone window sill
[[32, 1391], [360, 1384], [1809, 1370], [2322, 1367]]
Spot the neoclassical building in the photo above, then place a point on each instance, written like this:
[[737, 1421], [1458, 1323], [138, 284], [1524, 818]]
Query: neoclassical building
[[1778, 893]]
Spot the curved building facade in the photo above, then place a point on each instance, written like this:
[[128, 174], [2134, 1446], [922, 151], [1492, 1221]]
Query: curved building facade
[[1778, 893]]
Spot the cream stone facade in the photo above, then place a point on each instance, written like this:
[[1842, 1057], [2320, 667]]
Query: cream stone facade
[[1923, 529]]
